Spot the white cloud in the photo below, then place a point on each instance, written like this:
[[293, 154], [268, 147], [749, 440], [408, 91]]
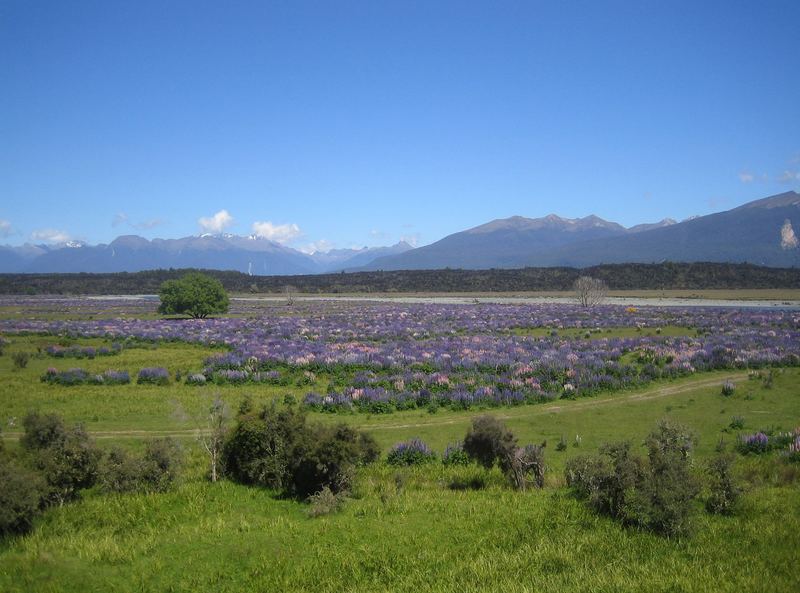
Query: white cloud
[[746, 177], [119, 218], [50, 236], [321, 246], [5, 229], [123, 218], [789, 176], [217, 223], [411, 239], [280, 233], [148, 224]]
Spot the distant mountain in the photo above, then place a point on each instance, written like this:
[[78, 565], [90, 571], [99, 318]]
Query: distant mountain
[[131, 253], [502, 243], [750, 233], [340, 259]]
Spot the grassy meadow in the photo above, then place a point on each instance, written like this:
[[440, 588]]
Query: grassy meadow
[[403, 529]]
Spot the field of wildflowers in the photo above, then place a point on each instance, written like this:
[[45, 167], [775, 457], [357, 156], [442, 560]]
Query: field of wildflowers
[[382, 357], [442, 525]]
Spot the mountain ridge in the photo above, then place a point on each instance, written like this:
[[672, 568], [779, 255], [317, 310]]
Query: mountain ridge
[[751, 232]]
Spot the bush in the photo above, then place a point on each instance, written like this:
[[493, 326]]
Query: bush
[[413, 452], [588, 476], [331, 460], [277, 449], [20, 497], [724, 489], [728, 387], [324, 502], [66, 458], [656, 493], [261, 448], [42, 431], [488, 441], [671, 487], [161, 464], [154, 471], [195, 294], [119, 472], [20, 359]]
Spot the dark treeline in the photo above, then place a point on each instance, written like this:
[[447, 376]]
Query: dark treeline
[[663, 276]]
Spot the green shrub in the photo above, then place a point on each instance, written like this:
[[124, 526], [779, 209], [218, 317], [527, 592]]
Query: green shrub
[[120, 471], [489, 441], [263, 448], [162, 463], [588, 476], [155, 470], [655, 493], [20, 359], [331, 461], [42, 431], [724, 489], [277, 449], [20, 497], [324, 502], [66, 458], [671, 487]]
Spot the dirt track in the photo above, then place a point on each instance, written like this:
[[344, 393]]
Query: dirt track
[[521, 412]]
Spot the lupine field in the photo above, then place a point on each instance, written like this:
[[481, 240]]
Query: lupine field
[[412, 375]]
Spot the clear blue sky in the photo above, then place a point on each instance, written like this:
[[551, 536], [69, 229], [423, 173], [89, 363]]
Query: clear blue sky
[[364, 122]]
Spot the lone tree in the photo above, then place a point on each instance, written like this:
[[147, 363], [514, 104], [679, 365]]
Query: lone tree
[[195, 294], [590, 291]]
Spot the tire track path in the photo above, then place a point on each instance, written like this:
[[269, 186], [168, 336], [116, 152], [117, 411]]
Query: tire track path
[[510, 413]]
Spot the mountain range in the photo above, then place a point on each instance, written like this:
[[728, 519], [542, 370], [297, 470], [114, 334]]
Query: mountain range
[[131, 253], [758, 232]]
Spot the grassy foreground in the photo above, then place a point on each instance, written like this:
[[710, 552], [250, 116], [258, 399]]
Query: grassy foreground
[[407, 529]]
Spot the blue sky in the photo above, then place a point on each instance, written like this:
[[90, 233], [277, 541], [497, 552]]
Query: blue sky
[[359, 123]]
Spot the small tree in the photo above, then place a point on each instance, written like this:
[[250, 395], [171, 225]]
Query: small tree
[[214, 441], [288, 293], [590, 291], [195, 294]]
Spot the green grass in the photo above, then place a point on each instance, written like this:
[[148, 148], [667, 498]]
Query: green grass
[[405, 530], [419, 536]]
